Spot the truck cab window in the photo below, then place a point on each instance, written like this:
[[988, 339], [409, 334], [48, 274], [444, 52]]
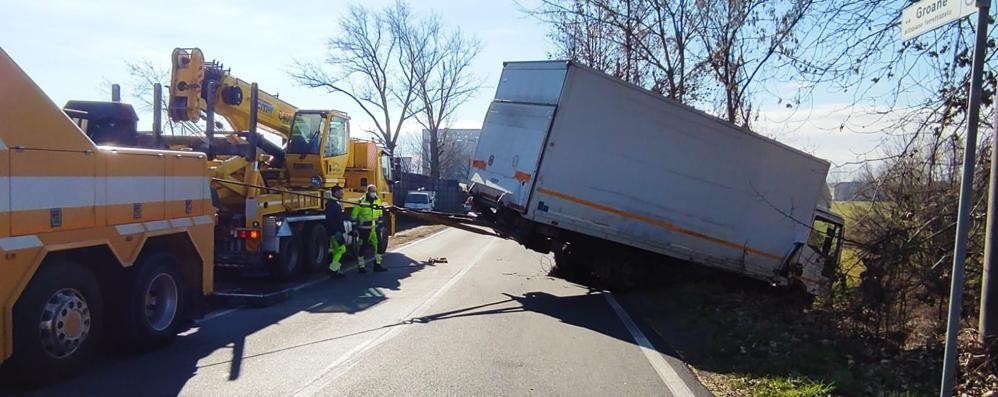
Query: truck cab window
[[825, 236], [386, 167], [306, 134], [339, 137]]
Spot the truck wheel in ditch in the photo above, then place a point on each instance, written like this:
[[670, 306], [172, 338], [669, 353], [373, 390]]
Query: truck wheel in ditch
[[156, 305], [57, 322], [288, 260], [618, 268], [570, 266], [316, 249]]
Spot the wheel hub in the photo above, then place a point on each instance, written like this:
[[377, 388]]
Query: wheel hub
[[65, 323], [161, 301]]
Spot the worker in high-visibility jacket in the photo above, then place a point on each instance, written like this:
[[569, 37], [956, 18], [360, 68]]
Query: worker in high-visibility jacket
[[367, 219]]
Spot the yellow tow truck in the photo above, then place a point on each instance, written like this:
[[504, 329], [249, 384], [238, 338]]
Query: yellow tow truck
[[96, 242]]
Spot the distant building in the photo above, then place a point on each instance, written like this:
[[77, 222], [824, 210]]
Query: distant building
[[458, 148], [852, 191], [409, 165]]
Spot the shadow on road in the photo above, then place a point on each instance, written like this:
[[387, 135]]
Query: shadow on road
[[167, 370]]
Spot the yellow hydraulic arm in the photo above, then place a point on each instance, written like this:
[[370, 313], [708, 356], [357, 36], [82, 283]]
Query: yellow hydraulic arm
[[189, 90]]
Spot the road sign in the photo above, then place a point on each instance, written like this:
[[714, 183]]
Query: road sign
[[927, 15]]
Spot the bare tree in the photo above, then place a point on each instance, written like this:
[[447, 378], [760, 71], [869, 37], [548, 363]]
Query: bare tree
[[368, 65], [744, 39], [441, 67], [603, 34], [143, 74]]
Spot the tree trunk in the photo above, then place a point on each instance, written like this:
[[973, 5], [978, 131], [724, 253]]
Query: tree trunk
[[434, 152]]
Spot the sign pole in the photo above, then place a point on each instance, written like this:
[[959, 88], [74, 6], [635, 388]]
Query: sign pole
[[988, 327], [963, 217]]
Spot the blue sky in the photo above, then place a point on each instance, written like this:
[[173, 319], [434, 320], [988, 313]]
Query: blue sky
[[71, 47]]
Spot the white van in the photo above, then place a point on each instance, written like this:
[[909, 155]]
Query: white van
[[419, 201]]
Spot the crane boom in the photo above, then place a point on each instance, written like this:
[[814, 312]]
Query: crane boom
[[188, 95]]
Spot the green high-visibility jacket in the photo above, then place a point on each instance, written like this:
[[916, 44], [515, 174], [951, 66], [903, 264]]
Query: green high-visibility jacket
[[366, 215]]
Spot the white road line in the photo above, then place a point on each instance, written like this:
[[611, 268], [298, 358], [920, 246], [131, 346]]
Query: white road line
[[665, 370], [307, 284], [211, 316], [412, 243], [218, 314], [333, 371]]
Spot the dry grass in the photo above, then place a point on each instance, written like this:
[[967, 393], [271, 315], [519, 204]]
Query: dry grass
[[415, 233]]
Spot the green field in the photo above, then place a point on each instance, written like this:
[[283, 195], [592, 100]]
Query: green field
[[850, 262]]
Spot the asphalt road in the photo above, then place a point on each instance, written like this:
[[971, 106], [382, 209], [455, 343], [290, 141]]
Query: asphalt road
[[488, 321]]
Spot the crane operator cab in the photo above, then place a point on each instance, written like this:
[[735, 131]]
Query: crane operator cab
[[317, 148]]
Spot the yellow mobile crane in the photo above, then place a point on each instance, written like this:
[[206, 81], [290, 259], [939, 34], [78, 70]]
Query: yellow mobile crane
[[271, 196]]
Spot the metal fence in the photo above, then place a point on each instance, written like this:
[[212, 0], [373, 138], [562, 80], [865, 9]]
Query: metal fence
[[449, 196]]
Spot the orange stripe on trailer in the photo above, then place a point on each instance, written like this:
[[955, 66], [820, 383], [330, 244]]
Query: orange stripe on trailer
[[480, 164], [659, 223], [521, 176]]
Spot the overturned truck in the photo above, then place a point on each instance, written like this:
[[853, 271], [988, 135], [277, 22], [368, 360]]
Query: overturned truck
[[604, 173]]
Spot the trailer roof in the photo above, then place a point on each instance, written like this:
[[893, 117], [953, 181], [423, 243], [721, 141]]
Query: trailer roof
[[565, 64]]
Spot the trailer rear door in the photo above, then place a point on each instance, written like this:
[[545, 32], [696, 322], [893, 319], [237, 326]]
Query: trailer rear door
[[509, 150]]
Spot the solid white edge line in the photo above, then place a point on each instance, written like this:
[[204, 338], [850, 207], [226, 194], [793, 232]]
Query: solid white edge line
[[313, 386], [412, 243], [211, 316], [665, 370]]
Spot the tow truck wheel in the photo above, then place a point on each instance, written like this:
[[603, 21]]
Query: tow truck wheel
[[58, 320], [288, 260], [316, 249], [156, 305], [383, 236]]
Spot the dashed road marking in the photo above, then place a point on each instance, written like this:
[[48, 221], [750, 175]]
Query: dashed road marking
[[331, 372]]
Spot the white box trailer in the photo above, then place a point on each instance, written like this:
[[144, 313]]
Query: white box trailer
[[570, 158]]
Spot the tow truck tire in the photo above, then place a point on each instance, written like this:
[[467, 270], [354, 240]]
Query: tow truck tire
[[58, 322], [316, 249], [288, 260], [383, 237], [156, 305]]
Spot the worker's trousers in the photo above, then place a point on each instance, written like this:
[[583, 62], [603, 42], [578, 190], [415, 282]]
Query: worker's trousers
[[370, 241], [337, 247]]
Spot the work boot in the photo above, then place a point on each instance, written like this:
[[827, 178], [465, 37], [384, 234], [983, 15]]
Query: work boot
[[361, 270], [379, 268]]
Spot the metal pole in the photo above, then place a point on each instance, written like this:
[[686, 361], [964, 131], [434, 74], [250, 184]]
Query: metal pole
[[963, 216], [115, 93], [157, 113], [209, 129], [988, 326]]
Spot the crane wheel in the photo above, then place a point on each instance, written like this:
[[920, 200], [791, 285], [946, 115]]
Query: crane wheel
[[232, 96], [58, 320], [316, 248], [288, 260], [156, 305]]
